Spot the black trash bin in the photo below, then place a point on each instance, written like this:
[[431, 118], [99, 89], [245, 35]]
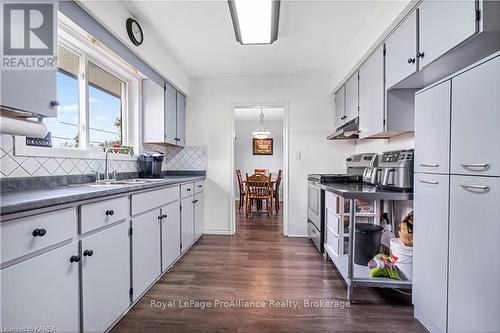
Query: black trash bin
[[367, 242]]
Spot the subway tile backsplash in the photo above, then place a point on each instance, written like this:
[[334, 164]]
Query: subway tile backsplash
[[192, 158]]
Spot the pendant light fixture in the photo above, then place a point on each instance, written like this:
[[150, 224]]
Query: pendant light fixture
[[261, 132]]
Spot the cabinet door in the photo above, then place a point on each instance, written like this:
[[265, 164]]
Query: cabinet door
[[351, 98], [432, 129], [475, 109], [42, 291], [340, 107], [443, 25], [146, 263], [170, 114], [170, 234], [371, 94], [153, 109], [198, 215], [30, 90], [430, 250], [474, 284], [187, 222], [401, 51], [181, 119], [105, 277]]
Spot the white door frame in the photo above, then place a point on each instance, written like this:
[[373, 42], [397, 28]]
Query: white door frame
[[283, 105]]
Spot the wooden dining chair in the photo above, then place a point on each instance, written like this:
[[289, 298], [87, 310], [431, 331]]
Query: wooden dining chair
[[261, 171], [241, 188], [276, 192], [258, 188]]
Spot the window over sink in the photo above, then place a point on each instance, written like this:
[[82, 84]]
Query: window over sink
[[98, 94]]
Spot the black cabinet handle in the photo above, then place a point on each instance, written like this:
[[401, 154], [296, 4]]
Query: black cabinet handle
[[200, 186], [164, 216], [195, 201], [411, 60], [74, 259], [54, 104], [161, 217], [39, 232], [420, 54], [188, 189], [110, 212], [88, 253]]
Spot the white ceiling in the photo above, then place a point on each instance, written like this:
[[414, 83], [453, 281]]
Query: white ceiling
[[252, 114], [315, 37]]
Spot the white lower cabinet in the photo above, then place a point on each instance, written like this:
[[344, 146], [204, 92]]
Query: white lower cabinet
[[42, 291], [430, 250], [170, 234], [187, 222], [105, 262], [198, 215], [146, 263], [474, 284]]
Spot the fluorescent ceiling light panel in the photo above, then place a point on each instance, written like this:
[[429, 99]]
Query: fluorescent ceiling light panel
[[255, 21]]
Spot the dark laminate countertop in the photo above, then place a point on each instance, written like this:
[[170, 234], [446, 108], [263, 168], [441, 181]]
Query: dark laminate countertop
[[25, 200], [363, 191]]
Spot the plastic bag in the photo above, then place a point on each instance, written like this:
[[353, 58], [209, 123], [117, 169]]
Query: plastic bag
[[382, 265]]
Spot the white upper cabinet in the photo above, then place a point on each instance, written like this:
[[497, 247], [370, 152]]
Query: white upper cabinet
[[351, 98], [432, 129], [164, 111], [371, 94], [33, 91], [475, 120], [401, 51], [181, 119], [339, 107], [170, 114], [153, 105], [443, 25]]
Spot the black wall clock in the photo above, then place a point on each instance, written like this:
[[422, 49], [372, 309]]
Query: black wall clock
[[134, 32]]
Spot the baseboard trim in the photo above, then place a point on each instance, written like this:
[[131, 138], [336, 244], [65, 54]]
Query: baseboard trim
[[297, 235], [216, 231]]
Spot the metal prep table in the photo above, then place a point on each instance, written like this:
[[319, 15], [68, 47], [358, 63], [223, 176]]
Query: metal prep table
[[354, 274]]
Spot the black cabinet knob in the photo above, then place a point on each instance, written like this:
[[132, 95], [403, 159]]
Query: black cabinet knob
[[164, 216], [188, 189], [54, 104], [39, 232], [411, 60], [110, 212], [200, 186], [420, 54], [88, 253], [74, 259]]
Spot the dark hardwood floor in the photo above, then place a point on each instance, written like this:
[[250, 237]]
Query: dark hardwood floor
[[258, 264]]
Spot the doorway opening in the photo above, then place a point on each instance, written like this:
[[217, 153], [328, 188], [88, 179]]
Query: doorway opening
[[260, 168]]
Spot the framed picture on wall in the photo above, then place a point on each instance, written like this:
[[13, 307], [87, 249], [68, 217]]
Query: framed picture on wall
[[262, 146]]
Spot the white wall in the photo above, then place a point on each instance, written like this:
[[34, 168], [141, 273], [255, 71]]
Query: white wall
[[209, 121], [245, 160], [112, 15]]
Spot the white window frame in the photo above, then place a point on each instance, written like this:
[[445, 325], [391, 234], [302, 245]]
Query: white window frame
[[89, 49]]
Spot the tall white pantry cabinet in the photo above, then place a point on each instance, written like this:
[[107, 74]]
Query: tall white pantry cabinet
[[457, 202]]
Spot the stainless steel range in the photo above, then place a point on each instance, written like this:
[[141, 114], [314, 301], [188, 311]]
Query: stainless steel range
[[356, 165]]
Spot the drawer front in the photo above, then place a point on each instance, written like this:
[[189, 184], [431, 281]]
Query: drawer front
[[199, 186], [330, 201], [26, 235], [143, 202], [99, 214], [332, 222], [333, 241], [187, 190]]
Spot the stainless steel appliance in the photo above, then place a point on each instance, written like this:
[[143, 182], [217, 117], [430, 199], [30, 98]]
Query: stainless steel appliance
[[356, 165], [150, 164], [397, 170]]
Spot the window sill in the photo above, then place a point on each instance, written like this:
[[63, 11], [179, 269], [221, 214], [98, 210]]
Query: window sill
[[20, 149]]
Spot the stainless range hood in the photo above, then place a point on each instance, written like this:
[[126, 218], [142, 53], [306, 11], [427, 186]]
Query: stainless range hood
[[349, 130]]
